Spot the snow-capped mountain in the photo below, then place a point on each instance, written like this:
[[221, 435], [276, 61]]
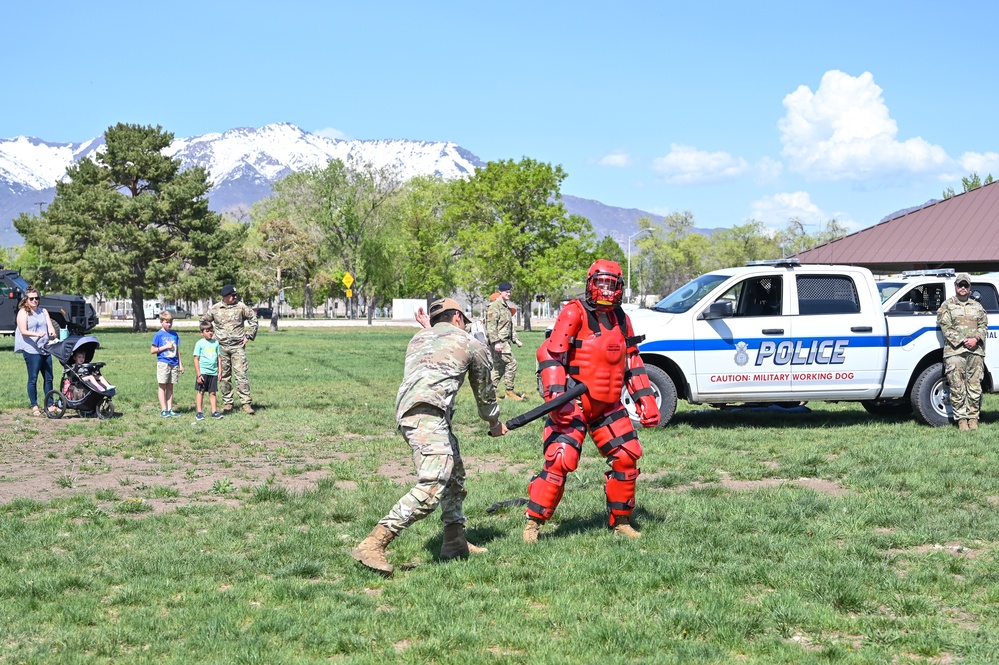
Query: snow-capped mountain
[[243, 163]]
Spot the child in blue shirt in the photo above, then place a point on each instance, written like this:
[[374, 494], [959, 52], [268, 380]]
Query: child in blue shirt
[[206, 365], [166, 348]]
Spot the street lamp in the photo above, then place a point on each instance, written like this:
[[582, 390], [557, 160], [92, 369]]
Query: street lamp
[[627, 290]]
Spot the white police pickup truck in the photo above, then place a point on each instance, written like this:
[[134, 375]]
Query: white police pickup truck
[[779, 332]]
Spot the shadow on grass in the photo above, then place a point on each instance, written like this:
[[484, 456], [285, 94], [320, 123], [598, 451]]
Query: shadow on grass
[[596, 522], [737, 418]]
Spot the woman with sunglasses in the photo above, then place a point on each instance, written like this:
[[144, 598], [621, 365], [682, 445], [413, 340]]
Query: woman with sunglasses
[[34, 330]]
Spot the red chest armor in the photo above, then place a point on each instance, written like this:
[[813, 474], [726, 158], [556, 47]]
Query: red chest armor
[[597, 357]]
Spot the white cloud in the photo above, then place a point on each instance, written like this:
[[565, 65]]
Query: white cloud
[[843, 131], [618, 158], [775, 211], [980, 163], [332, 133], [685, 165], [768, 169]]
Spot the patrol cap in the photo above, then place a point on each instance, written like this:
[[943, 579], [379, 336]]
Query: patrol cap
[[962, 277], [504, 286], [444, 304], [228, 290]]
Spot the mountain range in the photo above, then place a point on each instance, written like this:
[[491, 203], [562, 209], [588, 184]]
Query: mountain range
[[244, 162]]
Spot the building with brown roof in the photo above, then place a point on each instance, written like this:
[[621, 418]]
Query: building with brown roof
[[961, 232]]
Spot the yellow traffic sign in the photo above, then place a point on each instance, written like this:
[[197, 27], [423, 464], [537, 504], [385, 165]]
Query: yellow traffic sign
[[350, 294], [348, 279]]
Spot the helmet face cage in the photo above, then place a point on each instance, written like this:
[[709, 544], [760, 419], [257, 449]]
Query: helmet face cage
[[604, 289]]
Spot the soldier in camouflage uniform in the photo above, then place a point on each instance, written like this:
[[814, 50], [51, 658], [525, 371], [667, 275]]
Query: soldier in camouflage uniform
[[437, 361], [501, 335], [235, 324], [965, 327]]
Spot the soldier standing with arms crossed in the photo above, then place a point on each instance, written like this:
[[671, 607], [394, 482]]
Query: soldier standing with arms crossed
[[437, 361], [235, 325], [501, 334], [965, 326]]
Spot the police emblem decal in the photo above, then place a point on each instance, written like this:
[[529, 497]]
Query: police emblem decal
[[741, 357]]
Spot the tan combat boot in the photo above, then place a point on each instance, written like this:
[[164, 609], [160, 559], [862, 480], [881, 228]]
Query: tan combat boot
[[226, 408], [622, 527], [972, 423], [962, 425], [371, 551], [532, 530], [515, 396], [456, 546], [248, 409]]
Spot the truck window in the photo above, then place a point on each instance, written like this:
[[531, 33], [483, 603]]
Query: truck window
[[689, 294], [827, 294], [759, 296], [986, 295], [888, 289], [922, 299]]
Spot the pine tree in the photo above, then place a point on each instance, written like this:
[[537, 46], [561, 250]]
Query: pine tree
[[131, 223]]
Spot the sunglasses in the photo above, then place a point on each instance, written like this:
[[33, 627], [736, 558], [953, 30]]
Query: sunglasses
[[34, 299], [962, 286]]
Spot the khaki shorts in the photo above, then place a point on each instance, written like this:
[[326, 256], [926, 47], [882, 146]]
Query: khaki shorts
[[166, 373]]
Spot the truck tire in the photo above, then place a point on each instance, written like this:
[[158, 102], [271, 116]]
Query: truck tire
[[889, 408], [931, 398], [665, 392]]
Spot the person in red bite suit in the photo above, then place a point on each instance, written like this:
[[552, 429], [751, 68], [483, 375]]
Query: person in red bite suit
[[592, 342]]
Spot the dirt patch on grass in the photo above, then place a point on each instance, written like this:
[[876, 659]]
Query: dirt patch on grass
[[38, 461], [729, 483]]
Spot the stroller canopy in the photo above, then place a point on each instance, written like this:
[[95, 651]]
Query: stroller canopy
[[64, 349]]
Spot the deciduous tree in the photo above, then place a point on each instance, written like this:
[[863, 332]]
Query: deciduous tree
[[514, 227]]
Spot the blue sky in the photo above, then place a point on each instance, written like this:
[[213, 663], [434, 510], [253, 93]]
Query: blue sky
[[733, 111]]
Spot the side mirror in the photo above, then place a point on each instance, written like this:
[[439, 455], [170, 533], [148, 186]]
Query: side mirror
[[718, 310]]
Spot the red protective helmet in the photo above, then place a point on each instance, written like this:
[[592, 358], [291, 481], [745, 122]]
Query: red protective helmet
[[604, 284]]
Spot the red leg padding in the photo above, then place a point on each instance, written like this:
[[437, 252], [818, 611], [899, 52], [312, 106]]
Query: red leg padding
[[562, 446], [618, 442]]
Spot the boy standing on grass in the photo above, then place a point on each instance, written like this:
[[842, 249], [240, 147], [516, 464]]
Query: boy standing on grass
[[206, 366], [166, 348]]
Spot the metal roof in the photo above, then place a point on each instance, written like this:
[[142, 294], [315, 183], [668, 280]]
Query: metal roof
[[961, 232]]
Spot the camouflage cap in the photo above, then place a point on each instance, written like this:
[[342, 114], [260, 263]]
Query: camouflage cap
[[444, 304], [962, 277]]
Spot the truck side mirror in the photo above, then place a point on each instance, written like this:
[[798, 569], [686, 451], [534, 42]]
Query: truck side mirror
[[717, 310]]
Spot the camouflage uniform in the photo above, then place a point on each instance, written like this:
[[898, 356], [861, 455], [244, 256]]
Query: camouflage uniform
[[437, 361], [964, 368], [500, 330], [233, 323]]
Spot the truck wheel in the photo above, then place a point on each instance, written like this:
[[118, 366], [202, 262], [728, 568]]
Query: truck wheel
[[665, 393], [888, 408], [931, 397]]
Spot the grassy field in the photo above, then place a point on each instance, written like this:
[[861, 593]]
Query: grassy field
[[829, 536]]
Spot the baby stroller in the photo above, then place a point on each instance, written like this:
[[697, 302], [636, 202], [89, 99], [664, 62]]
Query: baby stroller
[[88, 397]]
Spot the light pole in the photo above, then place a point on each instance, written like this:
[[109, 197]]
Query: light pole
[[627, 290]]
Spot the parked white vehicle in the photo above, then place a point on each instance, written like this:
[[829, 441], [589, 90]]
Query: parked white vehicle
[[782, 332]]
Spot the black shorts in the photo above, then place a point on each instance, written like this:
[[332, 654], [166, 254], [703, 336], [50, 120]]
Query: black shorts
[[208, 384]]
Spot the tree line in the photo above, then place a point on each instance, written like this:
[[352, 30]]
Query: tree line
[[132, 223]]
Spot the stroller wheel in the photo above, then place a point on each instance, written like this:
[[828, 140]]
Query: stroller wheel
[[105, 409], [55, 404]]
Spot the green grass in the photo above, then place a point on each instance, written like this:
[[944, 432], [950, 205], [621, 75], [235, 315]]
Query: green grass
[[825, 537]]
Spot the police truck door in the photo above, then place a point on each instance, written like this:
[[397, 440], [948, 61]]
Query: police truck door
[[727, 351], [839, 337]]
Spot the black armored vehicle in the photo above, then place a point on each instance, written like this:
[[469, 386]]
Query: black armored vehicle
[[71, 313]]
